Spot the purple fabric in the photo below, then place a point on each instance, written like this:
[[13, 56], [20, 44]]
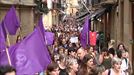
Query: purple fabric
[[40, 25], [3, 55], [2, 37], [3, 58], [11, 21], [30, 55], [85, 33], [49, 38]]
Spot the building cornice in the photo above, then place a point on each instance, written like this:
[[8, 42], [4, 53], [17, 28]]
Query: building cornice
[[17, 2]]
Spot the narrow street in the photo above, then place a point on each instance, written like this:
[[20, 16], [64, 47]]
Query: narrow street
[[66, 37]]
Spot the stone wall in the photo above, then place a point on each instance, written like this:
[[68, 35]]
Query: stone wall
[[26, 16]]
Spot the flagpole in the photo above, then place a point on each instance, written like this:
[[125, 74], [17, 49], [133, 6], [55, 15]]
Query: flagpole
[[88, 34], [9, 60], [7, 51], [87, 38]]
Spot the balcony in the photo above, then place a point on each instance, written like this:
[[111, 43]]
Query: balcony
[[108, 2]]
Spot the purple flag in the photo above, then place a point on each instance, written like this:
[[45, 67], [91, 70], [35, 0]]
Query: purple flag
[[3, 58], [2, 37], [40, 25], [85, 33], [11, 21], [3, 55], [48, 36], [30, 56]]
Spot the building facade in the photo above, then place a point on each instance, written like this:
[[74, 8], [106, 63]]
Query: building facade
[[118, 23], [114, 17], [25, 12]]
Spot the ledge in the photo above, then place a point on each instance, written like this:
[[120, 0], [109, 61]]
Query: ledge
[[108, 2], [16, 2]]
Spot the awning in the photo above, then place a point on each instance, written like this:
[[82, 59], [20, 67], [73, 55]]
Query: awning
[[83, 15], [96, 14]]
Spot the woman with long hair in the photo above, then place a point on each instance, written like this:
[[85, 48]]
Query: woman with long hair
[[87, 67]]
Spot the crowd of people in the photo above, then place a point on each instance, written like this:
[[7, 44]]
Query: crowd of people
[[68, 57]]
